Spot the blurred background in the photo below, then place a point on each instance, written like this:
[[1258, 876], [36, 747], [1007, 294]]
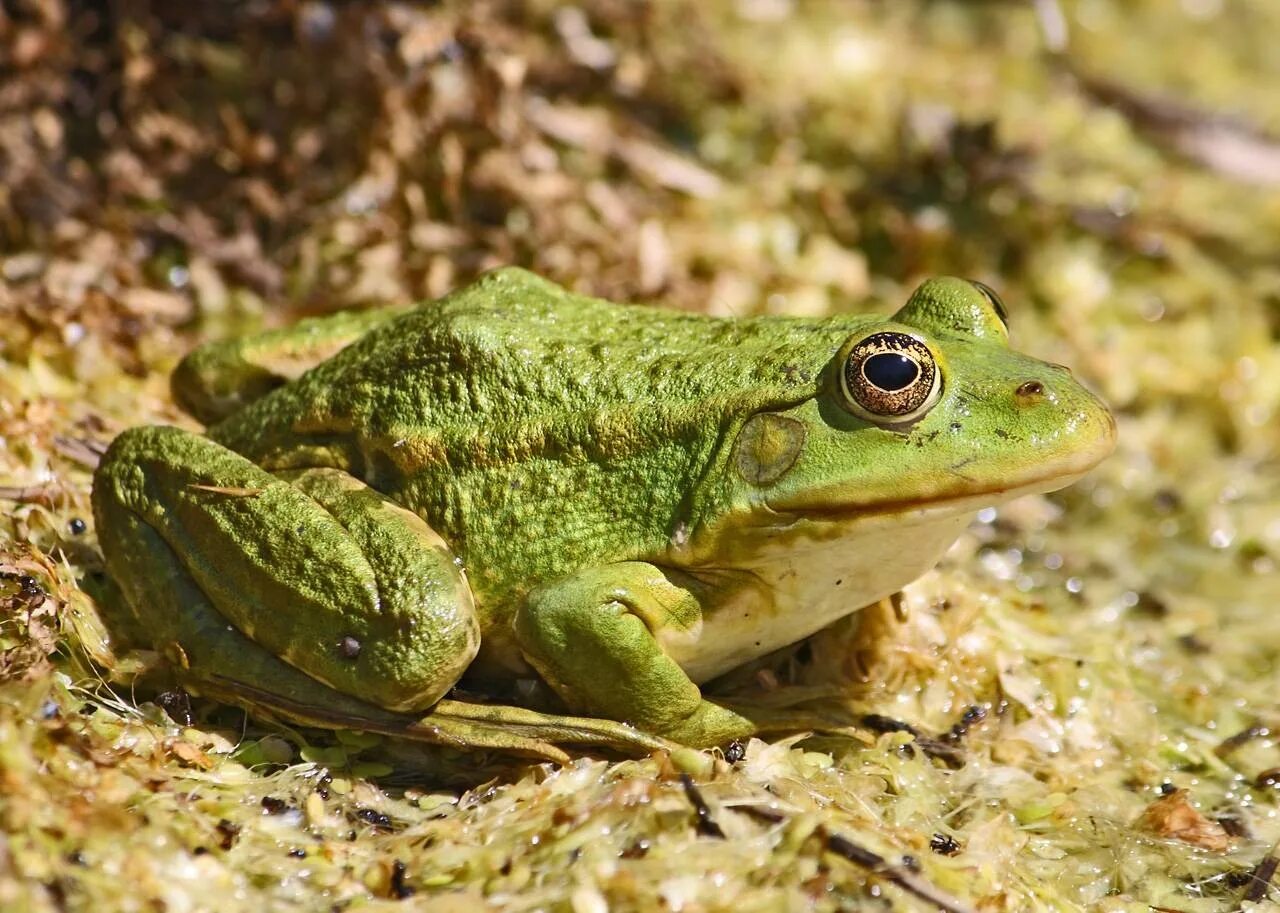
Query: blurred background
[[171, 173]]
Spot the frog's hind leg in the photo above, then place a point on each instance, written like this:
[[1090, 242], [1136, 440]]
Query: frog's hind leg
[[219, 378], [313, 567], [196, 639]]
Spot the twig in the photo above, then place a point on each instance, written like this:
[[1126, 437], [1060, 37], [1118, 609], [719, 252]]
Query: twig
[[950, 754], [706, 825], [1053, 25], [1229, 745], [873, 862], [45, 494], [85, 451], [1260, 877], [1228, 145]]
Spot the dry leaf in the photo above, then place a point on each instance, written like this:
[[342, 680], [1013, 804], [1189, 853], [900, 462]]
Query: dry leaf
[[1176, 818]]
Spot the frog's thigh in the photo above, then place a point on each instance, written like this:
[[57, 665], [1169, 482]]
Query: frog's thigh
[[591, 636], [196, 639], [324, 573]]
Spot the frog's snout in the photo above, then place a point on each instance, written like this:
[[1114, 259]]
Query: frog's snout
[[1082, 423]]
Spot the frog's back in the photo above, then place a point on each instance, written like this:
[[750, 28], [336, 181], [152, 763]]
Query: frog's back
[[516, 411]]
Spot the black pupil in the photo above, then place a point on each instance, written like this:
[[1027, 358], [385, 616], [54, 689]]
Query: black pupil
[[891, 371]]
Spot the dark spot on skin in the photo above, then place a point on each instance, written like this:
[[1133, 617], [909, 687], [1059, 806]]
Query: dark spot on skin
[[77, 526], [273, 806], [910, 863], [349, 647], [840, 581], [1002, 434], [1030, 388], [298, 853], [956, 426]]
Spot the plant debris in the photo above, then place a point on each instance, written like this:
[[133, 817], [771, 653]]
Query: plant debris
[[1076, 711]]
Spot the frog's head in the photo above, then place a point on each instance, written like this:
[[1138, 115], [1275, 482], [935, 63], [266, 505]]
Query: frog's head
[[928, 412]]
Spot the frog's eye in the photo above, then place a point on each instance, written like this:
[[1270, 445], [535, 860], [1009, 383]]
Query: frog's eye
[[993, 299], [890, 378]]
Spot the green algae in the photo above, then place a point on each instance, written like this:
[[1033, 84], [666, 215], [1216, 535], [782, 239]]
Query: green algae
[[1074, 663]]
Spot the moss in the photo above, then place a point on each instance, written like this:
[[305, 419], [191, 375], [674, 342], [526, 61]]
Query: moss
[[177, 175]]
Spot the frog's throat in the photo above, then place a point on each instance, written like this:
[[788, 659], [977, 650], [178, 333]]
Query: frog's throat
[[780, 577]]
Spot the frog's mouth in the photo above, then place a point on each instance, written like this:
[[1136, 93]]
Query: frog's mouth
[[972, 500], [963, 495]]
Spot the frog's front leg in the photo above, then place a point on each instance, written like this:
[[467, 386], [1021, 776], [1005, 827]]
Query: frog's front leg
[[311, 566], [593, 637]]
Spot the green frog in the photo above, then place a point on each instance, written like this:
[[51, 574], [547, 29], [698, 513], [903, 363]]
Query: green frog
[[517, 484]]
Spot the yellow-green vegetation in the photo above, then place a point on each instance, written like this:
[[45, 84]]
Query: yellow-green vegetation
[[1077, 710]]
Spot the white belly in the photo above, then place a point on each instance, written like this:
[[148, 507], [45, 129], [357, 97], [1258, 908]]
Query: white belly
[[804, 578]]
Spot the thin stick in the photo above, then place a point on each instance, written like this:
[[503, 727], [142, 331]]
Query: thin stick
[[896, 874], [1260, 877]]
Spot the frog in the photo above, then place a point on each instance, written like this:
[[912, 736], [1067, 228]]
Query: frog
[[520, 487]]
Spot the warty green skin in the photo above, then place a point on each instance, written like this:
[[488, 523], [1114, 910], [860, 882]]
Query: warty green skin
[[586, 464]]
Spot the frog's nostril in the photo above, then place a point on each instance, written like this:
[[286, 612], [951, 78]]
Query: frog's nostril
[[1062, 368], [1030, 390]]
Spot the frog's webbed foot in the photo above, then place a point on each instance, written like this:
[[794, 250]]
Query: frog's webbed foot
[[462, 725], [529, 731], [230, 569]]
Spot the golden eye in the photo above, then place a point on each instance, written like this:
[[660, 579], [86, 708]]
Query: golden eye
[[890, 378]]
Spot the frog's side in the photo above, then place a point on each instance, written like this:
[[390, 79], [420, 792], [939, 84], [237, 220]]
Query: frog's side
[[641, 499]]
